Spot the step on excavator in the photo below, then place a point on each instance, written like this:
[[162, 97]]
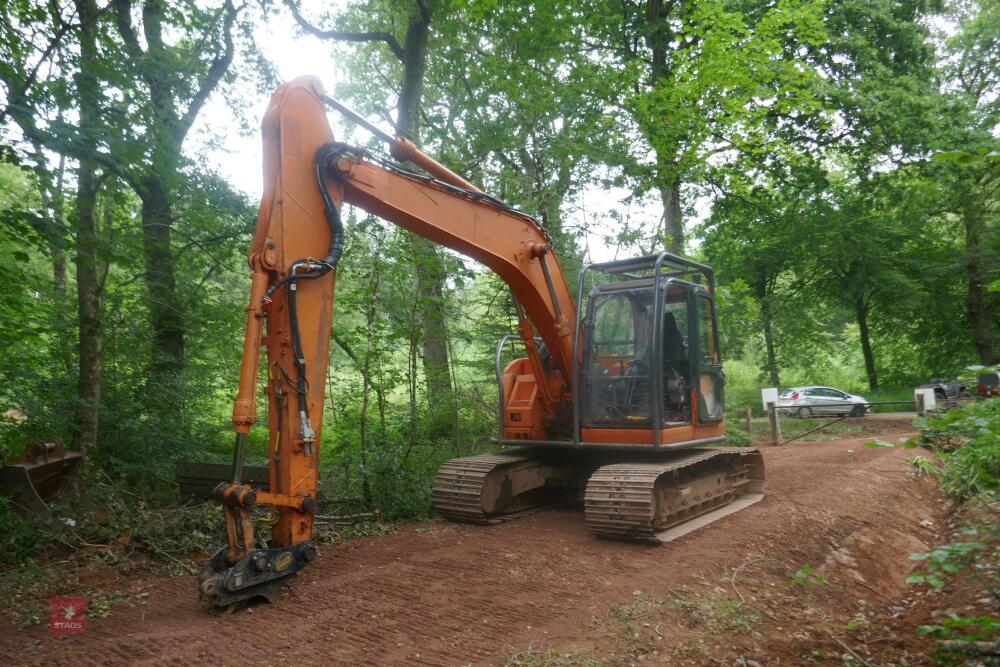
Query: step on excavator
[[618, 397]]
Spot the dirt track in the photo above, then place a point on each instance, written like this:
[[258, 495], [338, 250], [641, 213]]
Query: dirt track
[[442, 594]]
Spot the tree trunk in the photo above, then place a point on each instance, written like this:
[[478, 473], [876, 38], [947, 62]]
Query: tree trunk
[[673, 219], [87, 281], [61, 320], [658, 39], [167, 123], [165, 312], [429, 268], [981, 305], [861, 311], [767, 320], [430, 276]]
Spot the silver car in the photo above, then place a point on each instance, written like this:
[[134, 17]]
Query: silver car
[[805, 402]]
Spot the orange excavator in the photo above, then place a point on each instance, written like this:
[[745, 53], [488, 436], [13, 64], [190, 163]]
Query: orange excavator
[[617, 398]]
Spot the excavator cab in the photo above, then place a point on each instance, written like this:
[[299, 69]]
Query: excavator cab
[[649, 347]]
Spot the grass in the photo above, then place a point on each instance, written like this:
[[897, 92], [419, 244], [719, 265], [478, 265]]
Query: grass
[[718, 616], [899, 394]]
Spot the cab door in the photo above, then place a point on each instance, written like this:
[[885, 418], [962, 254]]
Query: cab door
[[707, 359]]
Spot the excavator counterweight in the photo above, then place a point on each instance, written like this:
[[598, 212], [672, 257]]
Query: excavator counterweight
[[618, 398]]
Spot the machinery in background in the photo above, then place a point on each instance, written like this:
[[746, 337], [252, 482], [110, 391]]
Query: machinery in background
[[40, 473]]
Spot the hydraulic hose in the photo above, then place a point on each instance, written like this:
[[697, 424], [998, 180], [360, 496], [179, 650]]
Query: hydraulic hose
[[311, 269]]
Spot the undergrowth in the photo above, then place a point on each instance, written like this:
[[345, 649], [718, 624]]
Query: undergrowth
[[108, 519], [967, 440]]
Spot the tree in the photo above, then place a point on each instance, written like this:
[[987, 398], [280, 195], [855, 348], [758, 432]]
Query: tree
[[411, 56], [178, 78], [28, 100], [535, 139], [705, 80], [973, 81], [87, 281]]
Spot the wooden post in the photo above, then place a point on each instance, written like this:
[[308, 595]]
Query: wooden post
[[748, 416], [772, 415], [920, 405]]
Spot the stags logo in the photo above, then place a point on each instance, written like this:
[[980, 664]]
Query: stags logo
[[283, 562], [68, 615]]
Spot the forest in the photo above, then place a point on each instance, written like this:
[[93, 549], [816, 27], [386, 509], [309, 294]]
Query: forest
[[836, 162]]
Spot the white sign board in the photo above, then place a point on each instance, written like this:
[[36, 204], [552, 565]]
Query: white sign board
[[768, 395], [928, 395]]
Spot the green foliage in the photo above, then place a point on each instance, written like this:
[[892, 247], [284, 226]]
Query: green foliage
[[968, 439], [115, 521], [736, 436], [946, 560], [977, 558], [22, 534], [924, 465], [808, 577], [968, 442], [732, 615]]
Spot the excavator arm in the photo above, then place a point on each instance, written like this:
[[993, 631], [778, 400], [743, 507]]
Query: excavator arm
[[293, 259]]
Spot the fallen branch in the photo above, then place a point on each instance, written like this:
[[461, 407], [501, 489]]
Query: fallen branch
[[876, 591], [851, 651], [736, 572]]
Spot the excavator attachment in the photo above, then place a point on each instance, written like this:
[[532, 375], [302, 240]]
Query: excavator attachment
[[39, 473], [260, 574]]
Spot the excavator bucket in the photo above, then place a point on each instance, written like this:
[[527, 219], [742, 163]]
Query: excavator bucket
[[39, 473]]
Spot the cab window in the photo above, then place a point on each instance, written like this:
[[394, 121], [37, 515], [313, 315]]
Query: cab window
[[706, 332], [614, 327]]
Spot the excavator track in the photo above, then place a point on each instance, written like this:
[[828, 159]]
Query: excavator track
[[659, 501], [491, 488]]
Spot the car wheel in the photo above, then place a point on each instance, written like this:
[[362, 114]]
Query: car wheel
[[858, 411], [804, 413]]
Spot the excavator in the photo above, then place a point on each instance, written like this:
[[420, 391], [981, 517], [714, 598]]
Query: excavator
[[618, 397]]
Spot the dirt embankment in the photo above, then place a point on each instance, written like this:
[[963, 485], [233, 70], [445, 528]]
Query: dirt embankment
[[812, 573]]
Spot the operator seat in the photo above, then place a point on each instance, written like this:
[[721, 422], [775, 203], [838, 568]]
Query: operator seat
[[674, 350], [675, 368]]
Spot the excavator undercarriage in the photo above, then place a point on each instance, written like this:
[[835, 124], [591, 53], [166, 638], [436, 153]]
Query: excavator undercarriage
[[642, 497]]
